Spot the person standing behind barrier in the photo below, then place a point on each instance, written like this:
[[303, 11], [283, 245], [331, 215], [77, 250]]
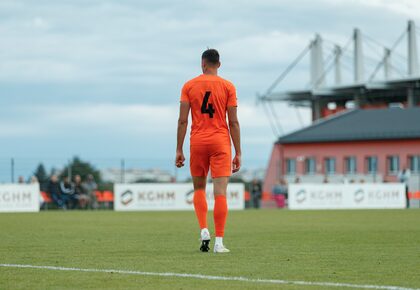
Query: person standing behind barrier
[[90, 188], [404, 177], [34, 180], [55, 192], [67, 191], [80, 192], [256, 193], [280, 192], [280, 188]]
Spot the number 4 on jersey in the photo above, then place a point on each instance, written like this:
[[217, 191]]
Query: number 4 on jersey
[[207, 108]]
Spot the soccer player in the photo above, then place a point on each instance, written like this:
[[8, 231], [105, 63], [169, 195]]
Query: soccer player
[[210, 99]]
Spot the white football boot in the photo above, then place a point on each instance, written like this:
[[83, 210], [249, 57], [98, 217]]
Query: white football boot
[[205, 240], [220, 248]]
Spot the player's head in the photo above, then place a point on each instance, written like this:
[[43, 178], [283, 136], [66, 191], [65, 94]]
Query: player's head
[[210, 60]]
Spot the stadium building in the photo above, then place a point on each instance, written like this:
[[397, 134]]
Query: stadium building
[[364, 131], [354, 146]]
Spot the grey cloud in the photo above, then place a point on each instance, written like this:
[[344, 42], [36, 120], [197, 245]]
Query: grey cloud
[[129, 52]]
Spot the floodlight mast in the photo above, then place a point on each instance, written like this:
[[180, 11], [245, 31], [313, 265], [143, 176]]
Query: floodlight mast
[[359, 75], [317, 63], [413, 64]]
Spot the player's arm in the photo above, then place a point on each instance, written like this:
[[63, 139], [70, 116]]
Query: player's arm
[[184, 110], [235, 134]]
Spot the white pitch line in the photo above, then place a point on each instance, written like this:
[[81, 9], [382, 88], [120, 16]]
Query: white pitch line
[[209, 277]]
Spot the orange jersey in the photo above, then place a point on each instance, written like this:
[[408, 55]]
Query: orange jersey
[[209, 97]]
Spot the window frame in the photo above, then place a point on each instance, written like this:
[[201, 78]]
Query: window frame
[[376, 165], [288, 172], [307, 172], [389, 162], [326, 159], [346, 164], [411, 158]]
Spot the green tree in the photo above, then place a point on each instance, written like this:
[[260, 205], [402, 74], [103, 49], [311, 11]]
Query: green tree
[[41, 175], [82, 168]]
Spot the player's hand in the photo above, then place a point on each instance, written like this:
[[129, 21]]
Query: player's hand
[[236, 163], [179, 159]]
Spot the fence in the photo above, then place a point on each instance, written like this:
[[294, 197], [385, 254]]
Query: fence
[[121, 170]]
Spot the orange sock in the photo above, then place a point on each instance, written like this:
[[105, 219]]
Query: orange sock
[[220, 214], [200, 206]]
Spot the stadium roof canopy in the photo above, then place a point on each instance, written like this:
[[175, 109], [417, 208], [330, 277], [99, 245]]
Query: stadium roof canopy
[[393, 90], [361, 125], [365, 91]]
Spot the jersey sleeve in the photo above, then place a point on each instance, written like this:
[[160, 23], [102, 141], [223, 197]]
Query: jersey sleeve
[[184, 94], [232, 99]]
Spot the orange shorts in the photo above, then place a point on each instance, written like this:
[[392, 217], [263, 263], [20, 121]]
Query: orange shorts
[[216, 157]]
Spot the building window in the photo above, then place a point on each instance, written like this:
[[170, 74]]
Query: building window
[[290, 166], [351, 165], [393, 164], [372, 164], [415, 163], [329, 165], [310, 165]]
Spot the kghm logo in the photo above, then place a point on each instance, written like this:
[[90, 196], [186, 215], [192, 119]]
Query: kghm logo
[[126, 197], [359, 195], [189, 196], [301, 196], [15, 196]]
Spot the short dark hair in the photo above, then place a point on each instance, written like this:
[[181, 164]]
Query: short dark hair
[[211, 55]]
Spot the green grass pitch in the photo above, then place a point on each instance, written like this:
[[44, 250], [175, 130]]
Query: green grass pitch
[[375, 247]]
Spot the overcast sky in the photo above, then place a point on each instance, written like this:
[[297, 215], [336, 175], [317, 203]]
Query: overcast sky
[[101, 79]]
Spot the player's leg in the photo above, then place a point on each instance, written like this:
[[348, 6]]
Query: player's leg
[[220, 212], [221, 168], [199, 200], [199, 166]]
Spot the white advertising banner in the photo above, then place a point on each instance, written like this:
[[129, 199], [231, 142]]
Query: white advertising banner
[[170, 196], [347, 196], [19, 197]]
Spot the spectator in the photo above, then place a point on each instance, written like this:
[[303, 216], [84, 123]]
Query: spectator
[[285, 188], [256, 193], [404, 177], [280, 188], [55, 193], [21, 180], [297, 179], [34, 179], [90, 188], [80, 192], [67, 191], [280, 193]]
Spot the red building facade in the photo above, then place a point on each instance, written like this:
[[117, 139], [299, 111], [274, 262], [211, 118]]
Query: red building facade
[[358, 146]]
